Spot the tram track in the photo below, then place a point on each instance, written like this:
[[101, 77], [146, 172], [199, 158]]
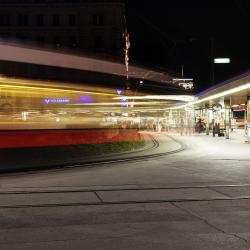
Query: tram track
[[87, 190], [122, 158], [28, 197], [134, 158], [101, 202], [123, 203]]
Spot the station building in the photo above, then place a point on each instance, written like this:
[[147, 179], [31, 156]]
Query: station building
[[226, 104]]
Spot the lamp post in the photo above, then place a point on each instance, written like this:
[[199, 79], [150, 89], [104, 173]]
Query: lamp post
[[215, 60], [218, 61], [227, 105], [211, 59], [248, 120]]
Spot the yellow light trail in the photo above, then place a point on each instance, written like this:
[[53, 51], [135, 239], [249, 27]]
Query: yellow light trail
[[17, 87], [117, 103]]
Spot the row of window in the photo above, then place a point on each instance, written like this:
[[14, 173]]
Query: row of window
[[71, 41], [41, 20], [56, 40]]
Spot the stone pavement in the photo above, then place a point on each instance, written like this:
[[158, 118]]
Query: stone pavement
[[195, 199]]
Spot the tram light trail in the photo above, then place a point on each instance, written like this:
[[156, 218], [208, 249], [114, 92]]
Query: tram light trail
[[184, 98]]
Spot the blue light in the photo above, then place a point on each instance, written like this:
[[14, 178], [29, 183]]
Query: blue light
[[86, 99], [56, 100], [124, 102], [119, 92]]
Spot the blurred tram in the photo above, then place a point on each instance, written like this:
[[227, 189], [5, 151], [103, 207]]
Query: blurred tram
[[32, 104], [26, 104]]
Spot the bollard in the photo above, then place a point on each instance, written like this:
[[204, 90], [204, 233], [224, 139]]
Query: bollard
[[248, 134]]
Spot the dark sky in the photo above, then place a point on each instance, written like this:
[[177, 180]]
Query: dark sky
[[174, 33]]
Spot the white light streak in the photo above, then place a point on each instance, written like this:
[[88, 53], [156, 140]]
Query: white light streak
[[216, 96], [222, 60], [184, 98]]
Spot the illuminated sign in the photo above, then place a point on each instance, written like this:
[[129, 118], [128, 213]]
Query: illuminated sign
[[185, 83], [56, 100], [86, 99], [217, 107], [119, 91], [124, 102]]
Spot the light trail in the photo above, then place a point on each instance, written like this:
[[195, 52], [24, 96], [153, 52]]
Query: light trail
[[216, 96], [184, 98], [18, 87]]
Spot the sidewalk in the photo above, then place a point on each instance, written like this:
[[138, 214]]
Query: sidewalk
[[198, 198]]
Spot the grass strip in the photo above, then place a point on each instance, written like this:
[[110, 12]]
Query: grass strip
[[110, 148]]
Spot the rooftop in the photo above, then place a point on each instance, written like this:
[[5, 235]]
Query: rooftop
[[56, 1]]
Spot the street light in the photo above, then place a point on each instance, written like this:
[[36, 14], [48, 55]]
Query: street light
[[218, 61], [214, 60], [222, 60]]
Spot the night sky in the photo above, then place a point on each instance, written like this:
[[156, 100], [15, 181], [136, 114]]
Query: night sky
[[169, 34]]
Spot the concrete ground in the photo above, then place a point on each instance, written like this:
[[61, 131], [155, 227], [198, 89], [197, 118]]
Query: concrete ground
[[198, 198]]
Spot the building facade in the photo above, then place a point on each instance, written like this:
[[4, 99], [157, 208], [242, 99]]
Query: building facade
[[92, 25]]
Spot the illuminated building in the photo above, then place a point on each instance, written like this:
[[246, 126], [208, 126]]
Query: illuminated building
[[77, 24]]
